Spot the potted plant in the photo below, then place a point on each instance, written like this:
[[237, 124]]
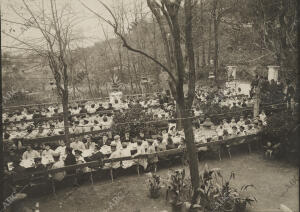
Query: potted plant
[[242, 199], [217, 194], [154, 185], [229, 206], [179, 189]]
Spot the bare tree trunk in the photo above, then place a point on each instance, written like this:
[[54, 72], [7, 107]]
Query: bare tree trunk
[[66, 118], [106, 89], [89, 84], [87, 73], [136, 78], [202, 35], [187, 122], [121, 66], [155, 53], [65, 102], [197, 58], [216, 59], [129, 70], [73, 86], [178, 117], [203, 56], [216, 39], [209, 41]]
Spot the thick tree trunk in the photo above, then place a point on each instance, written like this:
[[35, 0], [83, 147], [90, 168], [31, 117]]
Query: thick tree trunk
[[65, 103], [191, 149], [178, 116], [185, 110]]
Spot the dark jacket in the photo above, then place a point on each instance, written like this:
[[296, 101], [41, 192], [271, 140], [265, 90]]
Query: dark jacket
[[70, 160]]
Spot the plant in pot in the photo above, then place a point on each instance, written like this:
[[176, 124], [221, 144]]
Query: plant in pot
[[154, 185], [179, 189], [213, 195], [242, 199], [216, 193]]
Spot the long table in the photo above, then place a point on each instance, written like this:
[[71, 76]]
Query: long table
[[61, 137], [269, 108], [97, 163]]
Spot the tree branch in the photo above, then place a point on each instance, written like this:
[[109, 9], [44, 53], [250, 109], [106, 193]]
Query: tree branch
[[125, 44]]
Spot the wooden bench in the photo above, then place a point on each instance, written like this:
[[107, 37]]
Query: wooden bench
[[96, 165]]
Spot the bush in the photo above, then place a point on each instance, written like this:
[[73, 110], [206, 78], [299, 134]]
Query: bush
[[282, 130], [135, 117]]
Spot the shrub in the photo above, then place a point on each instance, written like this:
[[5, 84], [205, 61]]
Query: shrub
[[136, 117], [281, 130]]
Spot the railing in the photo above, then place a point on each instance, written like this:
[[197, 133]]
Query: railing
[[269, 108], [71, 101], [98, 163]]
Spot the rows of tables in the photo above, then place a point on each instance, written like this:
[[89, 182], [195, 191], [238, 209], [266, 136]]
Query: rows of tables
[[29, 174]]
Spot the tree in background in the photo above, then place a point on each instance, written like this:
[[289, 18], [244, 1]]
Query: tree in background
[[177, 59], [55, 26], [275, 23]]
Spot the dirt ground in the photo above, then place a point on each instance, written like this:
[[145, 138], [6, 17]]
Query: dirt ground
[[129, 193]]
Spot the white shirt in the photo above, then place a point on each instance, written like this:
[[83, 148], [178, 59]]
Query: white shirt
[[30, 155], [61, 150], [47, 156], [77, 145], [126, 153], [115, 154], [59, 176]]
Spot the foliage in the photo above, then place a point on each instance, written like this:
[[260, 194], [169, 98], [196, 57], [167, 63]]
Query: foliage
[[179, 187], [135, 116], [282, 130], [227, 113], [279, 125], [271, 93], [154, 185], [217, 194]]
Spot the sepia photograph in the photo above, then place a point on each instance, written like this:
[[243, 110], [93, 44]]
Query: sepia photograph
[[149, 106]]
